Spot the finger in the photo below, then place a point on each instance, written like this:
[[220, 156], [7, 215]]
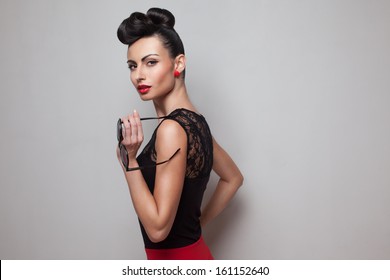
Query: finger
[[134, 130], [140, 133], [127, 130]]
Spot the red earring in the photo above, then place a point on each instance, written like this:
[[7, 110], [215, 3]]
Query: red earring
[[176, 74]]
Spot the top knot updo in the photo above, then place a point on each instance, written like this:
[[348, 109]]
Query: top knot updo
[[161, 17], [156, 22]]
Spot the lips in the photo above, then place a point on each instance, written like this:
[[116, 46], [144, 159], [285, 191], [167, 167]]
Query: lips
[[143, 89]]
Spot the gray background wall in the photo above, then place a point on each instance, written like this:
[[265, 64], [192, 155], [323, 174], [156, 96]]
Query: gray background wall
[[296, 91]]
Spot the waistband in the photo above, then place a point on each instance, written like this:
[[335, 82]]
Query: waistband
[[196, 251]]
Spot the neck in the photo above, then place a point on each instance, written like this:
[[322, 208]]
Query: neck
[[178, 98]]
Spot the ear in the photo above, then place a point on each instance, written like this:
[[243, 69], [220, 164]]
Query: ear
[[180, 63]]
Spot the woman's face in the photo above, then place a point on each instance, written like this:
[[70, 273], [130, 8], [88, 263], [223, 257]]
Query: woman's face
[[151, 68]]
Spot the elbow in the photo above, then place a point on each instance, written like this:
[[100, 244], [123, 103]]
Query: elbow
[[235, 181], [158, 228], [239, 180], [156, 235]]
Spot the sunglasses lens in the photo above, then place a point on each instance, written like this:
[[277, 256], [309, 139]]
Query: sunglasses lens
[[124, 156], [119, 130]]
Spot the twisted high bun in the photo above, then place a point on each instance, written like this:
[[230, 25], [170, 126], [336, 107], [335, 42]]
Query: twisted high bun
[[156, 22], [161, 17]]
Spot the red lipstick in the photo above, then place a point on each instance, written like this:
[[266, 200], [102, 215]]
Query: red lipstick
[[143, 88]]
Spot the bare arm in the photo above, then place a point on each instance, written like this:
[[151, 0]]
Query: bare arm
[[157, 211], [230, 180]]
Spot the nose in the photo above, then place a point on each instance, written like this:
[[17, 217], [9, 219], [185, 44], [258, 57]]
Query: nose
[[139, 75]]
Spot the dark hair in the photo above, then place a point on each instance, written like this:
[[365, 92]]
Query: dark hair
[[156, 21]]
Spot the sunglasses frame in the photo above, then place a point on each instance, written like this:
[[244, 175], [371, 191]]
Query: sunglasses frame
[[123, 151]]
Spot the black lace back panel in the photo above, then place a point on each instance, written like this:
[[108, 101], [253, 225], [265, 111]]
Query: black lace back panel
[[186, 227]]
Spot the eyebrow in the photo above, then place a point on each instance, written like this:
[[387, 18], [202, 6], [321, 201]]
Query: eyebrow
[[145, 57]]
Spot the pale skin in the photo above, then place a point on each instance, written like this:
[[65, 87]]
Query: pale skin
[[151, 64]]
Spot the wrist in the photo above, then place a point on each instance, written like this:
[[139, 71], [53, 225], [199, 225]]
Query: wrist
[[132, 163]]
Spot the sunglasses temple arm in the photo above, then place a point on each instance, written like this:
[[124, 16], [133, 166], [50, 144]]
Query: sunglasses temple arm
[[153, 165], [153, 118]]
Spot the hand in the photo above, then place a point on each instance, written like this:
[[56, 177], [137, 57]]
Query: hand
[[133, 135]]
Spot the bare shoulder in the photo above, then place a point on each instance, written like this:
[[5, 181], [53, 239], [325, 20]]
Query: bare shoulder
[[170, 127], [171, 136], [171, 130]]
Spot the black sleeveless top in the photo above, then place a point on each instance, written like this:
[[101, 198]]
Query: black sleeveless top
[[186, 226]]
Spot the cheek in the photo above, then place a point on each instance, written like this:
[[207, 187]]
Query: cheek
[[164, 76], [133, 78]]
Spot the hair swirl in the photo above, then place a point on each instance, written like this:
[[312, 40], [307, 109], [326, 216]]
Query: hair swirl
[[156, 22]]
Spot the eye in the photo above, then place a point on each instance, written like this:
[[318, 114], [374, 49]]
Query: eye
[[152, 62], [132, 66]]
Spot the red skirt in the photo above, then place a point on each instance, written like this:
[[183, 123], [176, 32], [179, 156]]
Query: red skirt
[[195, 251]]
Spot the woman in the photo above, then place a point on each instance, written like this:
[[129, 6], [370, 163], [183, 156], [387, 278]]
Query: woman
[[167, 180]]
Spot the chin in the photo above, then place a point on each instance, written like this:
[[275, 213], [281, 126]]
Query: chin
[[146, 97]]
